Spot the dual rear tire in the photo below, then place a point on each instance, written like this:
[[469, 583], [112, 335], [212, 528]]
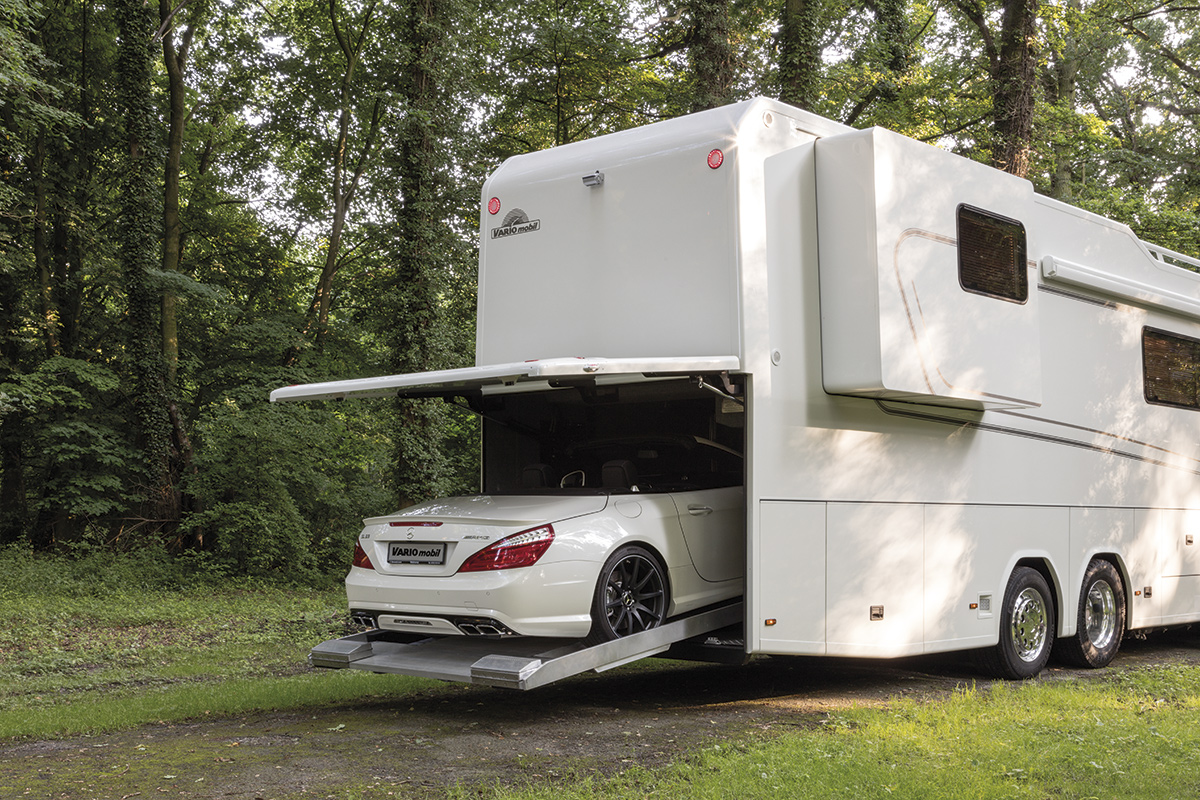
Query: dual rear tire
[[1028, 623], [1100, 625]]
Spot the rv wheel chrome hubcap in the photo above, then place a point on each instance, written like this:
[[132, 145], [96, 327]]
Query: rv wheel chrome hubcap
[[1029, 625], [1100, 614]]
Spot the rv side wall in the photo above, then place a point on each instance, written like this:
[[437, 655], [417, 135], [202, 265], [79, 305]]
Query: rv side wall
[[885, 528]]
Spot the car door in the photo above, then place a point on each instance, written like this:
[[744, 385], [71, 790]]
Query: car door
[[714, 527]]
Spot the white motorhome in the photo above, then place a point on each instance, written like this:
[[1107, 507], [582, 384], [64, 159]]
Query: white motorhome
[[969, 414]]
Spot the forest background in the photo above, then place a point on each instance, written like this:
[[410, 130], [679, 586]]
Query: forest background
[[204, 201]]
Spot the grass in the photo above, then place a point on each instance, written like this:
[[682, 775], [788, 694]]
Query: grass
[[103, 643], [1127, 735]]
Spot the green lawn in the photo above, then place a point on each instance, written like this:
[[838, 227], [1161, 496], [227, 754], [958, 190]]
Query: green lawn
[[89, 646], [1125, 734]]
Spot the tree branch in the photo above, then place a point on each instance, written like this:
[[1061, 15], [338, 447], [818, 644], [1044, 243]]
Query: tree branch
[[974, 12], [166, 23], [1162, 50]]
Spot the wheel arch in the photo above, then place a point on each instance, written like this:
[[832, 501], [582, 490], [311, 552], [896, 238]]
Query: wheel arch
[[650, 548], [1058, 596], [1118, 563]]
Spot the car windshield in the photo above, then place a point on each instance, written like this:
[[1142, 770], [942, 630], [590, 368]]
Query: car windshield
[[659, 438]]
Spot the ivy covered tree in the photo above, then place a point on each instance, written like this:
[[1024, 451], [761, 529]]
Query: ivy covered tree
[[140, 233]]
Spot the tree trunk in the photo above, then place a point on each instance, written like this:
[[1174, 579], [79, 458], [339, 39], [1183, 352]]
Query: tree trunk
[[1014, 82], [1063, 91], [139, 235], [891, 28], [12, 434], [342, 190], [799, 59], [41, 249], [710, 55], [421, 467], [175, 60]]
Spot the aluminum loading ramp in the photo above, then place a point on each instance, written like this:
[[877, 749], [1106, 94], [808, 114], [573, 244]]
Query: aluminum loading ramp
[[527, 663]]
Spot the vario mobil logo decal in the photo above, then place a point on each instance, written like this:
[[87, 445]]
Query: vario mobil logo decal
[[516, 222]]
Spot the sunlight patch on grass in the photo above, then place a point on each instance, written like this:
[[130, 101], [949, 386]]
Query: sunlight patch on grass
[[1131, 734]]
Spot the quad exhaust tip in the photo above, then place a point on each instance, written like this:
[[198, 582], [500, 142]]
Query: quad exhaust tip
[[483, 627], [362, 619], [469, 626]]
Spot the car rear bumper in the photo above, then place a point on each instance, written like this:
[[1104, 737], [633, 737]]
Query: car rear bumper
[[516, 599]]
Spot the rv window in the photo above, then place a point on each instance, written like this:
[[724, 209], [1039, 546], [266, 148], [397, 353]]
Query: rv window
[[991, 255], [1171, 366]]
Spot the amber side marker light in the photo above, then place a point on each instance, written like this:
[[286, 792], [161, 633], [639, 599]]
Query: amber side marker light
[[769, 622]]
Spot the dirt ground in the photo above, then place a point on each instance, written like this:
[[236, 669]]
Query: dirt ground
[[476, 737]]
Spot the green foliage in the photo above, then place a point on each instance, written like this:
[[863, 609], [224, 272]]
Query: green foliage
[[558, 72], [286, 486], [1166, 225], [74, 437], [28, 100], [350, 169]]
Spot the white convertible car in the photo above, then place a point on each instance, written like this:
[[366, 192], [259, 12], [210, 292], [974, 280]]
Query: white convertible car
[[599, 520]]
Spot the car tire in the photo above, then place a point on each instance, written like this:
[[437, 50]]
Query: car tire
[[1100, 625], [1026, 627], [630, 597]]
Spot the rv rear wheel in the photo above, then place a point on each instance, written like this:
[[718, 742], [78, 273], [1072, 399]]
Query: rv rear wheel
[[1026, 627], [631, 595], [1100, 625]]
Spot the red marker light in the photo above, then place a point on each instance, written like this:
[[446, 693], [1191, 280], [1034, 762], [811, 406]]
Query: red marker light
[[361, 559], [494, 205], [715, 158]]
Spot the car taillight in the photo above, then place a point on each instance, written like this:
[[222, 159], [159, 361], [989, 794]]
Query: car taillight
[[361, 559], [519, 550]]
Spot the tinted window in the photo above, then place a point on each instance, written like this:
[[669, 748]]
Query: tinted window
[[991, 255], [1171, 366]]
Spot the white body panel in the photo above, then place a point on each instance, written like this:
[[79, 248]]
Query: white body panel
[[907, 443], [554, 596], [895, 321]]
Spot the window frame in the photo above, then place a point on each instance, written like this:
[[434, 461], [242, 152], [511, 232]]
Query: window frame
[[1193, 365], [1022, 254]]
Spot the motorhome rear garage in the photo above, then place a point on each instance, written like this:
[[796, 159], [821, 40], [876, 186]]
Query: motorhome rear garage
[[963, 410]]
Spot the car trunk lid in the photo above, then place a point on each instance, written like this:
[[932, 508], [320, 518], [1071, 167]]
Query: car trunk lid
[[436, 537]]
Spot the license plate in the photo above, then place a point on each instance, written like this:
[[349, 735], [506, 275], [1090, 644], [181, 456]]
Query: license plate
[[417, 553]]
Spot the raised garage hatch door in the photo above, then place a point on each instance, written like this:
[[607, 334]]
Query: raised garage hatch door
[[497, 377]]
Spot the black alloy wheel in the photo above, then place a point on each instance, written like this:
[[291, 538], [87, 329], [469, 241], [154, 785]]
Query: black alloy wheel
[[631, 595]]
